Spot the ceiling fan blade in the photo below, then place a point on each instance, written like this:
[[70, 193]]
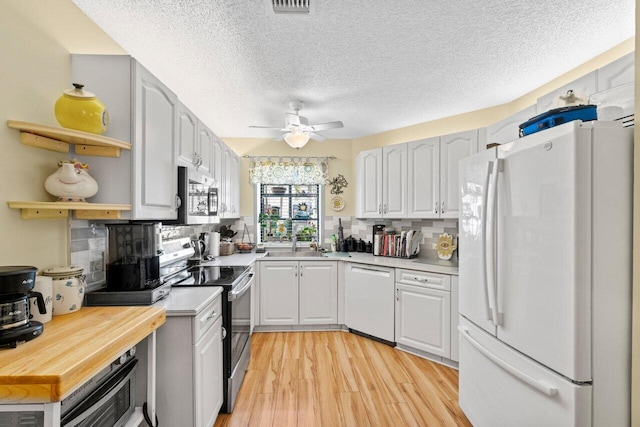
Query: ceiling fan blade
[[292, 119], [316, 137], [325, 126], [264, 127]]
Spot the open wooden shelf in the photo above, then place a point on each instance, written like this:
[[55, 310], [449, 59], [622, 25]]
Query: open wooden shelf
[[59, 139], [83, 210]]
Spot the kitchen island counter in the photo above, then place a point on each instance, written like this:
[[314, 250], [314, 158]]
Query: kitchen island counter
[[72, 349]]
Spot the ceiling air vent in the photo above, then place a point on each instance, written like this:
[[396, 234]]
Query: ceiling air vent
[[290, 6]]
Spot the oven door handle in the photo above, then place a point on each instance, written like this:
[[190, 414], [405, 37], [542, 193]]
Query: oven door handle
[[234, 295], [101, 395]]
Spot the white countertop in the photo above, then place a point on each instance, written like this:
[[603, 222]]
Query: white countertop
[[188, 301], [420, 264]]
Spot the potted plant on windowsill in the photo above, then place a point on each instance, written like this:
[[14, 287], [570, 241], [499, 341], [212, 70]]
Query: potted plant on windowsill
[[307, 233]]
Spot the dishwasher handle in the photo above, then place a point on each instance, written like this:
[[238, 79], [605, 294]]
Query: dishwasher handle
[[371, 271]]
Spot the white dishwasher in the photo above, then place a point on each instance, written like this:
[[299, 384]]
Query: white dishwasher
[[369, 300]]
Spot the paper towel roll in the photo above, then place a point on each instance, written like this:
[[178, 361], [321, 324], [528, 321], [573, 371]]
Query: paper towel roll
[[44, 285], [214, 244]]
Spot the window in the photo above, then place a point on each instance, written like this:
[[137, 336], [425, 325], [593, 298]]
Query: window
[[287, 209]]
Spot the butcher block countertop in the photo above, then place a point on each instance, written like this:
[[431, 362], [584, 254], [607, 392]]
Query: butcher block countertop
[[72, 349]]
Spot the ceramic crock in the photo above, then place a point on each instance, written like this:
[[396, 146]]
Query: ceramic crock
[[81, 110], [68, 286]]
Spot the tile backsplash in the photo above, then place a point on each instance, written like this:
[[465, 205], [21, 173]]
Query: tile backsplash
[[88, 249], [362, 229], [89, 239], [88, 245]]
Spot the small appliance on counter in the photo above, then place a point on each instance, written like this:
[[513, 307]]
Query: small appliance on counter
[[133, 256], [134, 265], [16, 289]]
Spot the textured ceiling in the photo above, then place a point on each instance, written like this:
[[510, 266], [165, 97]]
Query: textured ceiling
[[376, 65]]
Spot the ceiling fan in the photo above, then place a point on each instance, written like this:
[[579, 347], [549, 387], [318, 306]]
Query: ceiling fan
[[297, 129]]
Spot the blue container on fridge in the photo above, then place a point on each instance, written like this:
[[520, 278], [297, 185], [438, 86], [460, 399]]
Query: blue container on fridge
[[558, 116]]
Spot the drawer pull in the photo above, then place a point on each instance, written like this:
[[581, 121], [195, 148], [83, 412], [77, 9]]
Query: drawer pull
[[212, 315]]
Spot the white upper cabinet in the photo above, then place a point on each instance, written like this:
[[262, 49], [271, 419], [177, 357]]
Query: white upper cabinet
[[453, 148], [205, 149], [508, 129], [144, 112], [423, 178], [617, 73], [229, 186], [217, 149], [381, 182], [156, 132], [418, 179], [433, 173], [369, 184], [583, 87], [195, 144], [394, 181], [188, 136]]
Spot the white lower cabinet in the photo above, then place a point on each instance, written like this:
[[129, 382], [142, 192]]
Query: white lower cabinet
[[455, 339], [189, 368], [298, 293], [368, 296], [423, 312]]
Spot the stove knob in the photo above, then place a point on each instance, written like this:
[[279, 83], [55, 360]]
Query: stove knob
[[132, 351], [122, 359]]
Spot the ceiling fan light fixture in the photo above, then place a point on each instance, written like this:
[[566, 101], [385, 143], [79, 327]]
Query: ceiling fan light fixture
[[296, 139]]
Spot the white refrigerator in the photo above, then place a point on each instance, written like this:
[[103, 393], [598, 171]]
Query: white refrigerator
[[545, 279]]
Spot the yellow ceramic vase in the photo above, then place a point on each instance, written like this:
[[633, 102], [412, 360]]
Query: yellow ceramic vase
[[81, 110]]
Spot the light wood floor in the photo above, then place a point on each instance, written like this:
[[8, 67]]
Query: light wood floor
[[341, 379]]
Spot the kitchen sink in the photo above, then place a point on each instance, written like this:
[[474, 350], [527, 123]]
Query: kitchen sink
[[290, 254]]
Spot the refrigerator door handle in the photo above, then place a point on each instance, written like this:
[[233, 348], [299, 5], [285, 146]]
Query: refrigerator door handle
[[488, 238], [537, 384]]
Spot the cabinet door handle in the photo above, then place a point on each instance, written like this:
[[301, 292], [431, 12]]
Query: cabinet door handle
[[384, 210], [397, 294], [301, 267], [435, 208], [295, 271], [442, 208], [380, 208]]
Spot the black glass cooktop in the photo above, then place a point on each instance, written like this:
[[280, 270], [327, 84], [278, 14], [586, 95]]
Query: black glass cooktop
[[208, 276]]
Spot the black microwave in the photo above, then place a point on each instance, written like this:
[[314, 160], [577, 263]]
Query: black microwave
[[198, 198]]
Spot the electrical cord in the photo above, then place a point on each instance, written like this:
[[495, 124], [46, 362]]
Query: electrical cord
[[146, 416]]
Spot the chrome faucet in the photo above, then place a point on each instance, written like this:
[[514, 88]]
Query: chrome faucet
[[294, 241]]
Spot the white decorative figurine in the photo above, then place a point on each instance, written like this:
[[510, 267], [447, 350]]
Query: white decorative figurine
[[71, 182]]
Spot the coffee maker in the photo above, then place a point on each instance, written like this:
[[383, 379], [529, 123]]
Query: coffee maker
[[16, 284], [133, 256]]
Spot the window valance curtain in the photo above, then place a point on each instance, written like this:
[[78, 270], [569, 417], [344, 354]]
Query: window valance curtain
[[296, 171]]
